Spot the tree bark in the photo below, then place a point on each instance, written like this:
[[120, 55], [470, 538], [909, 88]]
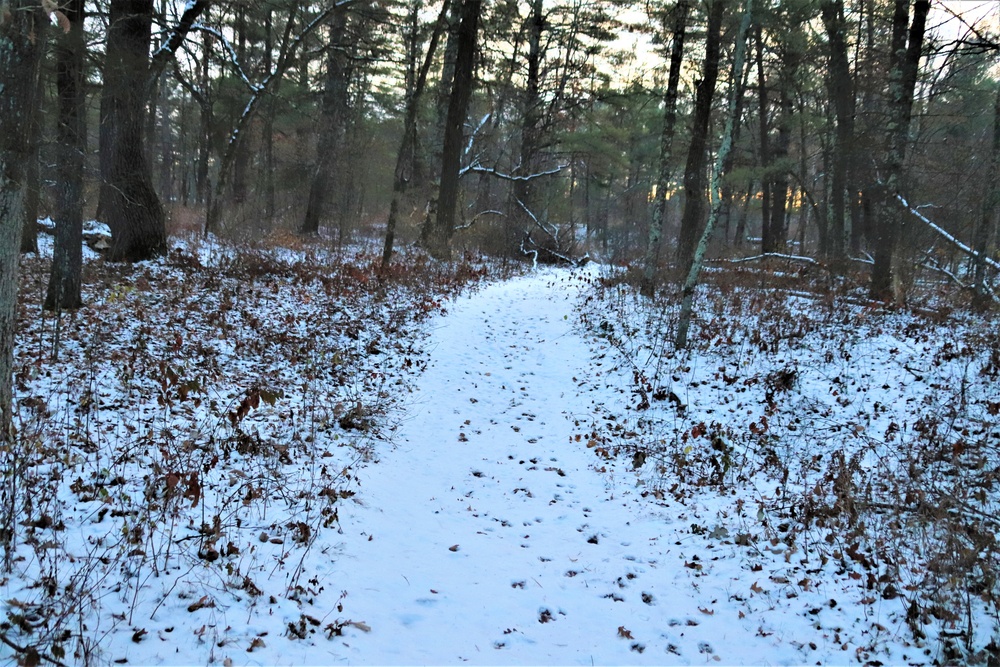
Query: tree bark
[[437, 236], [691, 282], [886, 281], [129, 203], [21, 38], [841, 88], [764, 153], [665, 169], [407, 143], [71, 144], [988, 216], [695, 178], [532, 112], [333, 123]]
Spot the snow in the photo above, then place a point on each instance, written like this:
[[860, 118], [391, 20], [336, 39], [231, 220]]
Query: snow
[[490, 515]]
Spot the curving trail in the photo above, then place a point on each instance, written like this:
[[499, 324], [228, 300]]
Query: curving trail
[[487, 535]]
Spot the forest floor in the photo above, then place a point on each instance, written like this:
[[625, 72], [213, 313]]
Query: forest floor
[[250, 456]]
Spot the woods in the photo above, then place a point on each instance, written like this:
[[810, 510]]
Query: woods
[[759, 175]]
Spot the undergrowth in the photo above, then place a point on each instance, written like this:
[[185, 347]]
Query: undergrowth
[[186, 437], [827, 435]]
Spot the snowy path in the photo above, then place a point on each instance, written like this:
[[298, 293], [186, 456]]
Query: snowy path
[[487, 536]]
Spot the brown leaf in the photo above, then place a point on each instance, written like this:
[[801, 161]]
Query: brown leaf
[[703, 610], [624, 633], [62, 21], [204, 603], [453, 547], [360, 625], [755, 588]]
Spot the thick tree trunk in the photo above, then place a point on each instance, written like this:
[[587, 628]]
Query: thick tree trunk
[[20, 53], [33, 185], [987, 221], [695, 178], [841, 87], [67, 257], [437, 236], [129, 203], [665, 169], [886, 281], [532, 114], [333, 124]]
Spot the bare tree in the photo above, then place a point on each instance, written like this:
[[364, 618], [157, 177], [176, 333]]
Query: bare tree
[[437, 232]]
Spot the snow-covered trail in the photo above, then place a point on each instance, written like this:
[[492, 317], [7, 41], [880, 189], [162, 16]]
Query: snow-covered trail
[[487, 536]]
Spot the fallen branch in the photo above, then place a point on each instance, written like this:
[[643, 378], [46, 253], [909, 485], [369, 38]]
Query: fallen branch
[[475, 218], [773, 255], [948, 237]]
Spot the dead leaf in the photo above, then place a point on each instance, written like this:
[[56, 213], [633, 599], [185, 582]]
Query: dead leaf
[[63, 21], [360, 625], [624, 633], [703, 610], [204, 603], [453, 547], [256, 643], [755, 588]]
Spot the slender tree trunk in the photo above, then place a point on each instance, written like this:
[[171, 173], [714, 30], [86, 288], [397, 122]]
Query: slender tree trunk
[[21, 46], [267, 131], [665, 169], [886, 280], [765, 145], [242, 154], [406, 146], [202, 186], [695, 178], [437, 237], [130, 204], [778, 226], [691, 282], [71, 141]]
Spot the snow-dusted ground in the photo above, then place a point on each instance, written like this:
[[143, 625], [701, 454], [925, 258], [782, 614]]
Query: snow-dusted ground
[[490, 536], [503, 520]]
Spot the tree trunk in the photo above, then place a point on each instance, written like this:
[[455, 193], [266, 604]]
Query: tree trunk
[[71, 145], [333, 122], [532, 112], [695, 178], [886, 281], [242, 153], [764, 154], [841, 88], [666, 148], [691, 282], [130, 205], [437, 236], [33, 185], [267, 130], [20, 53], [988, 216], [778, 227], [406, 146]]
